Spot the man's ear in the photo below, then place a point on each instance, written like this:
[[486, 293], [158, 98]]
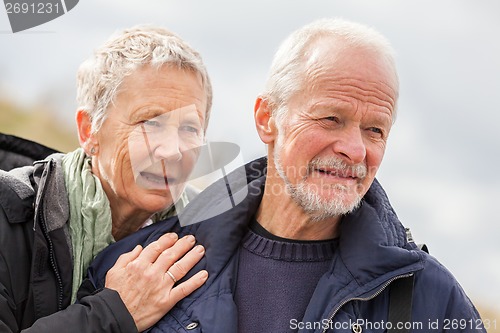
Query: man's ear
[[85, 136], [264, 121]]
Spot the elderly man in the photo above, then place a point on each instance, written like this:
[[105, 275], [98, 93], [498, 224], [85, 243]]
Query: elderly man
[[314, 245]]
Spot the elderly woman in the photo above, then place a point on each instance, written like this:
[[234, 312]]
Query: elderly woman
[[144, 104]]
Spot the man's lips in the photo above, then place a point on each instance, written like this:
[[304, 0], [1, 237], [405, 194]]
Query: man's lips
[[348, 174]]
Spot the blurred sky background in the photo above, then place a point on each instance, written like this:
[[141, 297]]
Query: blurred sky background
[[442, 161]]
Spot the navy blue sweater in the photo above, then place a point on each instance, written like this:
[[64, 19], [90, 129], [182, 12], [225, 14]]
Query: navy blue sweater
[[276, 279]]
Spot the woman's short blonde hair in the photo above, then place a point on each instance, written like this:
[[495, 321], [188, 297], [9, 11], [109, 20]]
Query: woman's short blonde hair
[[100, 76]]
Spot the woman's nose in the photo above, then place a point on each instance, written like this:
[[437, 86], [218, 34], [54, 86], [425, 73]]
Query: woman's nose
[[167, 146]]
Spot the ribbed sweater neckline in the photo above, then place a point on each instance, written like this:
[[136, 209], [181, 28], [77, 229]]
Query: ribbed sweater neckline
[[287, 250]]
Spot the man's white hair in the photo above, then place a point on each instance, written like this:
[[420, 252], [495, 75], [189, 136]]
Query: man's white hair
[[100, 76], [287, 71]]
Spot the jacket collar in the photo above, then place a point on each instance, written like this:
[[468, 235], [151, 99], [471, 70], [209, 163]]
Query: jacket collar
[[51, 193], [372, 239]]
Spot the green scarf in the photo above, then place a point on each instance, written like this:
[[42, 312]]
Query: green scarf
[[89, 214]]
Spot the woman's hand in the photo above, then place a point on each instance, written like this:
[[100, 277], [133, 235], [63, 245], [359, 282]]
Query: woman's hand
[[141, 278]]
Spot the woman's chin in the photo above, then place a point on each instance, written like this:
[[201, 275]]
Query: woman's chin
[[153, 200], [154, 196]]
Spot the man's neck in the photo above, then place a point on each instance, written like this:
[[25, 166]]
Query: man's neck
[[283, 217]]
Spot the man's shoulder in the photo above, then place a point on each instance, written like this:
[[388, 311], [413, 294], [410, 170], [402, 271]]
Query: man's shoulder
[[434, 272], [437, 290]]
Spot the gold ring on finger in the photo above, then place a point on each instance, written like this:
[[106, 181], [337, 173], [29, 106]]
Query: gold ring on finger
[[172, 276]]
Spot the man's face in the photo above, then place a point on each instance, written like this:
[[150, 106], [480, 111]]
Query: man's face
[[148, 142], [333, 136]]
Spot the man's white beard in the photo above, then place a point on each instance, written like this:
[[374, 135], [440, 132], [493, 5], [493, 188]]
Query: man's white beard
[[313, 204]]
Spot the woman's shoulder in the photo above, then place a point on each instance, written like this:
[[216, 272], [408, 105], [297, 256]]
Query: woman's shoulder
[[16, 193], [17, 152], [16, 168], [17, 181]]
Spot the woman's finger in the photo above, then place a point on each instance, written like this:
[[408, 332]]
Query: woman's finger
[[182, 266], [153, 250], [187, 287], [169, 256], [125, 258]]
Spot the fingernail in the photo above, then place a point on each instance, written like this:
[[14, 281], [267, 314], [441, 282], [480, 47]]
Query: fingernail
[[203, 275], [190, 238], [199, 248], [172, 235]]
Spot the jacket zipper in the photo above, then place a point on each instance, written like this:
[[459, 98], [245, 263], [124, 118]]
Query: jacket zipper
[[378, 292], [51, 246]]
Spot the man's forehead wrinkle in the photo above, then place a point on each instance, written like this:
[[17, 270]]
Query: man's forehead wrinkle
[[330, 60], [373, 92], [378, 93]]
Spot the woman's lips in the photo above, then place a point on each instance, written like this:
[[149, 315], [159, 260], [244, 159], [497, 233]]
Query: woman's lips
[[156, 180]]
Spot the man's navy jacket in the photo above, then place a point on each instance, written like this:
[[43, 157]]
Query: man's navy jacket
[[373, 251]]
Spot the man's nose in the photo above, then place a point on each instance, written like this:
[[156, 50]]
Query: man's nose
[[350, 145]]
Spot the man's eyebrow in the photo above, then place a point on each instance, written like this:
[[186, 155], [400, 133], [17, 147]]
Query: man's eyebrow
[[381, 117], [148, 113]]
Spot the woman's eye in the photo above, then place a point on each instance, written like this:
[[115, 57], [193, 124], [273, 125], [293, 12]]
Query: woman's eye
[[152, 123], [190, 129]]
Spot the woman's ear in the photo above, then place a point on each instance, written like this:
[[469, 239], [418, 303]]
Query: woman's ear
[[264, 121], [85, 136]]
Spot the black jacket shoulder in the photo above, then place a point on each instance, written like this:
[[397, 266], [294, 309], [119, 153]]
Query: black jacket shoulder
[[16, 152]]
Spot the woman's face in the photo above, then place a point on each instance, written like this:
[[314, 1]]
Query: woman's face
[[148, 143]]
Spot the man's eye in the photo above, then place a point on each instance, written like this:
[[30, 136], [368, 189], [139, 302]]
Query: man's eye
[[376, 130], [329, 121], [332, 119]]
